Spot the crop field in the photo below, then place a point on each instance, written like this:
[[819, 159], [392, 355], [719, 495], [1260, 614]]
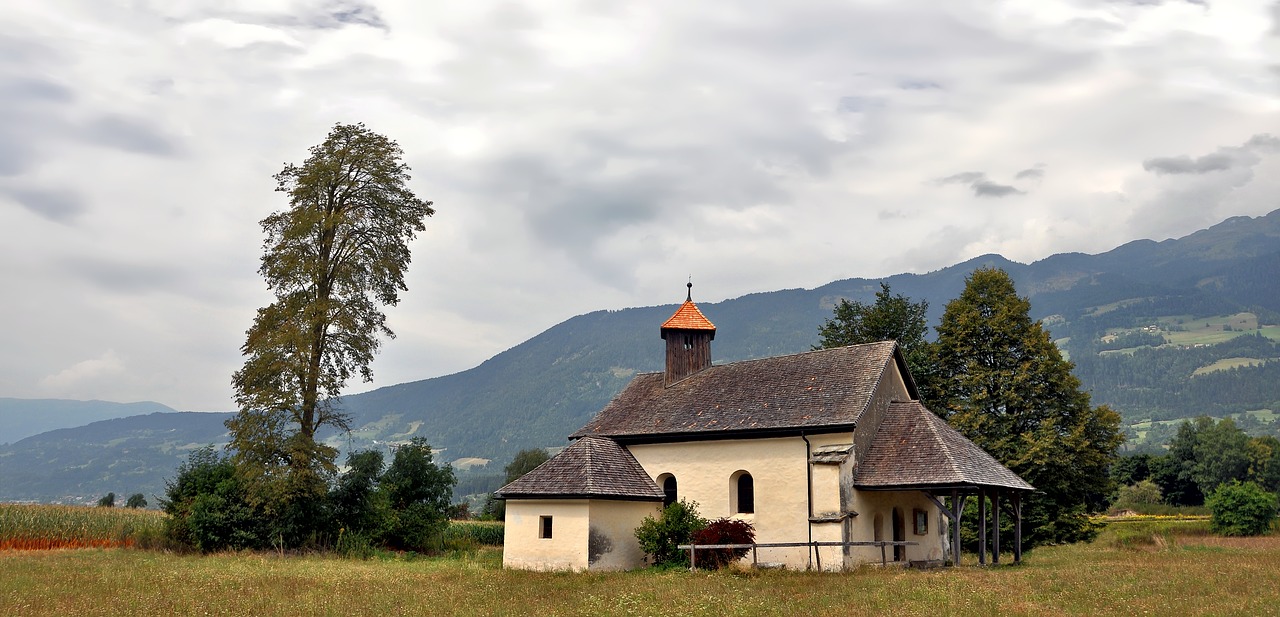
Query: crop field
[[42, 527], [1148, 565]]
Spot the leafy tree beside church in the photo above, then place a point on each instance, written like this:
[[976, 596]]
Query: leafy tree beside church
[[890, 317], [1003, 383]]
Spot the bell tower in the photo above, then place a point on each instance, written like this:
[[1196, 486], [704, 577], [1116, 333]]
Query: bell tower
[[688, 334]]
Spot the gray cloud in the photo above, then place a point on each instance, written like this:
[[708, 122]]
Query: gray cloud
[[120, 276], [15, 154], [348, 13], [964, 177], [58, 205], [919, 84], [1204, 3], [987, 188], [1034, 173], [132, 135], [981, 185], [27, 88], [1223, 159], [856, 104], [327, 15], [1263, 140], [1184, 164], [29, 109]]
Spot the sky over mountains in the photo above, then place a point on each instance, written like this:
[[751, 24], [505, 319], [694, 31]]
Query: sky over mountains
[[585, 156]]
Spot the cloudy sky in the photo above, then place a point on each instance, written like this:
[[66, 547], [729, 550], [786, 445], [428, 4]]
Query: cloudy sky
[[593, 155]]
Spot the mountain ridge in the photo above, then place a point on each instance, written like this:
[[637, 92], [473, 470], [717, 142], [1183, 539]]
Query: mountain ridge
[[537, 392]]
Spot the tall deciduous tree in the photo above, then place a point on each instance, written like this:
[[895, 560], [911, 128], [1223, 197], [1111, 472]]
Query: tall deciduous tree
[[1007, 388], [891, 317], [333, 259]]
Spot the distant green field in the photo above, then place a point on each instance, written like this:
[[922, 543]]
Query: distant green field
[[1228, 363], [1142, 428], [1183, 330]]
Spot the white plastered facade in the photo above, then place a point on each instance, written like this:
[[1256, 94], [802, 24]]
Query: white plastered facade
[[585, 534]]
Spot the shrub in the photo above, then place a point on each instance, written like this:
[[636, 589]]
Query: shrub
[[1241, 509], [723, 531], [359, 507], [418, 493], [206, 506], [107, 501], [1138, 497], [659, 538]]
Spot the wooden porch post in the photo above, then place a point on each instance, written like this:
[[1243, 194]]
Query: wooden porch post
[[957, 506], [982, 526], [1017, 527], [995, 527]]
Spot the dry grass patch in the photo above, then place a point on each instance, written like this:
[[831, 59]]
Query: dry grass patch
[[1095, 579]]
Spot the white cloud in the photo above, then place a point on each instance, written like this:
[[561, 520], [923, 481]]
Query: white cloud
[[83, 376], [584, 156]]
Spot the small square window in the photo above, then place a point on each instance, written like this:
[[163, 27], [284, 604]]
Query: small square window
[[921, 522], [544, 527]]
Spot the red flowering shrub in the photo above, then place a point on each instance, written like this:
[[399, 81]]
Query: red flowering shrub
[[723, 531]]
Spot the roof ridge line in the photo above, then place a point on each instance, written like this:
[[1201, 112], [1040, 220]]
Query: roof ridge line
[[879, 378], [933, 428]]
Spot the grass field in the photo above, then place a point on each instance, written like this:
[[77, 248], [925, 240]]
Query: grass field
[[1140, 567]]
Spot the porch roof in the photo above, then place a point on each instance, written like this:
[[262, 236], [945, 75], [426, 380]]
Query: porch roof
[[915, 449]]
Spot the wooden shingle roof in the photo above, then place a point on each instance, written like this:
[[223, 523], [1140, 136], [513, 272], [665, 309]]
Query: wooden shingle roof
[[828, 388], [593, 467], [688, 317], [916, 449]]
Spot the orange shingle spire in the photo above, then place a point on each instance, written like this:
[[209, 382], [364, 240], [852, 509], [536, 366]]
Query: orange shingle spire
[[688, 317]]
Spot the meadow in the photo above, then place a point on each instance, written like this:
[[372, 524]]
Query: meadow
[[1147, 565]]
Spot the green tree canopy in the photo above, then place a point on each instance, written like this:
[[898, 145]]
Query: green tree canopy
[[418, 492], [1204, 455], [136, 500], [332, 260], [525, 461], [1241, 509], [891, 317], [1004, 384], [358, 506]]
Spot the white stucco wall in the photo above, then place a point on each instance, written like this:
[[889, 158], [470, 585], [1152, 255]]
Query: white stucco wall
[[586, 534], [611, 543], [567, 547], [931, 545], [778, 467]]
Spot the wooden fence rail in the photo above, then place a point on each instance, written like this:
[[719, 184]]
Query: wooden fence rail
[[693, 561]]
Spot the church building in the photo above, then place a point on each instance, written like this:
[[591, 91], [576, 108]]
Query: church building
[[830, 450]]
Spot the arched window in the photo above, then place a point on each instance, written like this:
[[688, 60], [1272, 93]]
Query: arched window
[[668, 483], [742, 493]]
